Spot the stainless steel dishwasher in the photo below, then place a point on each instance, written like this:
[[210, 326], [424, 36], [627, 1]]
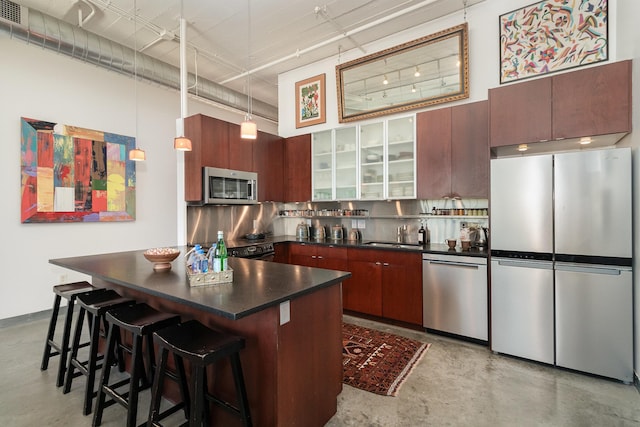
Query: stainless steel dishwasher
[[455, 295]]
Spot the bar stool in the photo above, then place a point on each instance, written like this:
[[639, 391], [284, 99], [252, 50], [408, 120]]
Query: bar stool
[[142, 321], [201, 347], [95, 305], [68, 291]]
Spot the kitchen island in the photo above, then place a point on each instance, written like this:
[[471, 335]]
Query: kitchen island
[[291, 317]]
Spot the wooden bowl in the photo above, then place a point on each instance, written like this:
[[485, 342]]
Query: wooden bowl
[[161, 257]]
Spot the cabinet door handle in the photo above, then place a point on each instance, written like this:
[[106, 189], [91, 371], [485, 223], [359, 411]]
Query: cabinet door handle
[[378, 263], [320, 257], [386, 264], [313, 256]]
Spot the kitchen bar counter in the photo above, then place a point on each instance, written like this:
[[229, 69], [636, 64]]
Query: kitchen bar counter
[[256, 285], [290, 316]]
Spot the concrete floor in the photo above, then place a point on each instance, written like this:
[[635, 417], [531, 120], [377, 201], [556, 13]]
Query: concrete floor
[[455, 384]]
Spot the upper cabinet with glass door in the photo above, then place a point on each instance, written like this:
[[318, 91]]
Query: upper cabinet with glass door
[[372, 161], [322, 164], [346, 164], [401, 163], [335, 164]]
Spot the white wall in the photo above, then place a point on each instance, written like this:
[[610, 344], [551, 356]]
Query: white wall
[[482, 19], [40, 84]]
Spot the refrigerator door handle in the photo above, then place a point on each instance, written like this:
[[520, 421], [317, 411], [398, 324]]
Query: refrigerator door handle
[[543, 265], [611, 271]]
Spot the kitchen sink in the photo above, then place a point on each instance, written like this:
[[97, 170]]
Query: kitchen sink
[[394, 245]]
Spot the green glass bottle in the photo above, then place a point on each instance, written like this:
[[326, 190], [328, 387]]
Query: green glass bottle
[[220, 254]]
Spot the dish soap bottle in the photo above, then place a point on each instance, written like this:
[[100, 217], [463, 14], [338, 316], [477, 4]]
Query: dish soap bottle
[[220, 254]]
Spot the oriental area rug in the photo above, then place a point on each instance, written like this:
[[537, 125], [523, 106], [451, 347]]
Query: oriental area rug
[[376, 361]]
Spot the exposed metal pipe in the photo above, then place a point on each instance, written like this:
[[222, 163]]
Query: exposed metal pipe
[[53, 34], [81, 20], [335, 39]]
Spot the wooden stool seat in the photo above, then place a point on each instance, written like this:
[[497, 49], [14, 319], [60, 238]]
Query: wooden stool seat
[[141, 321], [52, 348], [95, 305], [202, 347]]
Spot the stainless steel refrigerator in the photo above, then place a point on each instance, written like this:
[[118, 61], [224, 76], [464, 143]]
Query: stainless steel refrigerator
[[561, 256]]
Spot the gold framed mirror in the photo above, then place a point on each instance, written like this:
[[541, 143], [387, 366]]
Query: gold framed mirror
[[430, 70]]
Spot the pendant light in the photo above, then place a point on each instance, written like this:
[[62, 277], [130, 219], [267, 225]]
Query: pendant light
[[137, 155], [248, 128], [181, 142]]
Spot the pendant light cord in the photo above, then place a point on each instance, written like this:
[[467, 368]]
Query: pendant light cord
[[249, 100], [135, 62]]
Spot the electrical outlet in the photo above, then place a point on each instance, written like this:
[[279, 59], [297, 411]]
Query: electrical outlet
[[362, 224], [285, 312], [63, 278], [463, 225], [255, 224]]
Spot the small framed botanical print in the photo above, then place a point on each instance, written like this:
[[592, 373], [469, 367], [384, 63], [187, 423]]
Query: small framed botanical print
[[310, 101]]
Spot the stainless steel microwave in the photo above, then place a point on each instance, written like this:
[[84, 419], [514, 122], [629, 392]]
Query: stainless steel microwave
[[224, 186]]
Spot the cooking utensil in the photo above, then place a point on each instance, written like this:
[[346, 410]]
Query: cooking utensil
[[302, 231], [336, 232], [320, 233]]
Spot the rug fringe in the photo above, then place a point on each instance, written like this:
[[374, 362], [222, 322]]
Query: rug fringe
[[395, 386]]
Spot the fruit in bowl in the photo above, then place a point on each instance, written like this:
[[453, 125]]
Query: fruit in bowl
[[161, 257]]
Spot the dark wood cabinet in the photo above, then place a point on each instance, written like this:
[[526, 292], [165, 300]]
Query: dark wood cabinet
[[453, 152], [209, 147], [588, 102], [268, 162], [330, 256], [402, 287], [240, 150], [297, 168], [218, 144], [433, 131], [281, 252], [593, 101], [470, 150], [362, 292], [384, 283], [520, 113]]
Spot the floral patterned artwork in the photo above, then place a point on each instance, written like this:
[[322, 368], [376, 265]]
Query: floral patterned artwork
[[77, 175], [552, 35], [310, 96]]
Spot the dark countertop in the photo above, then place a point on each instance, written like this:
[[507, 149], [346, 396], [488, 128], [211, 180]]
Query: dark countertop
[[429, 248], [256, 284]]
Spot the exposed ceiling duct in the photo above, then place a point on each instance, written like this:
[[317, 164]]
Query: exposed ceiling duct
[[43, 30]]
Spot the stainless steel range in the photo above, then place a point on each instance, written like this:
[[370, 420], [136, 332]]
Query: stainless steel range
[[260, 250]]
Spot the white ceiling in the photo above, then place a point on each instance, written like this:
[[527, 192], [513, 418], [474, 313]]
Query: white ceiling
[[284, 34]]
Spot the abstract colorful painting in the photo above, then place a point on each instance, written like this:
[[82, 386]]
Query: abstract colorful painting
[[310, 101], [552, 35], [72, 174]]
